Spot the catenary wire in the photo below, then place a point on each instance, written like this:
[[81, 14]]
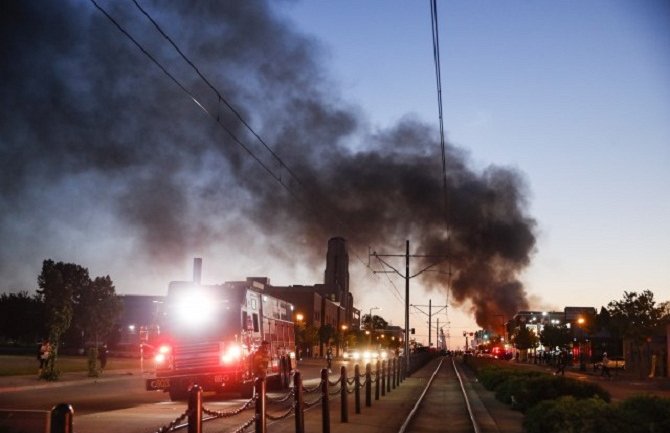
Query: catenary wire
[[216, 118]]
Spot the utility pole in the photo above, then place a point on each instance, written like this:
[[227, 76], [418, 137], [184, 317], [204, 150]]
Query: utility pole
[[430, 317], [407, 278]]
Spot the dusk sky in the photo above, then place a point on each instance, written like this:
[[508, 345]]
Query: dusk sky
[[556, 115]]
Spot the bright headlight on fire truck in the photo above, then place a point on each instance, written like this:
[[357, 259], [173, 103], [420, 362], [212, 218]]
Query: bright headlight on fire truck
[[195, 308]]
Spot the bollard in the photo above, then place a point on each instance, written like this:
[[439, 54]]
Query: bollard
[[368, 385], [261, 409], [195, 409], [383, 373], [325, 406], [62, 416], [357, 388], [344, 410], [299, 403], [378, 379], [388, 376], [397, 372], [393, 375]]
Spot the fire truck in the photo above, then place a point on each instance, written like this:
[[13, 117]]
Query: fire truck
[[210, 332]]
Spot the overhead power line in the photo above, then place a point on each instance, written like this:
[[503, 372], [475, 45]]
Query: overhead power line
[[438, 83], [218, 94], [306, 203]]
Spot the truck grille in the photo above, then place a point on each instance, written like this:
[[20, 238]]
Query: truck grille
[[196, 356]]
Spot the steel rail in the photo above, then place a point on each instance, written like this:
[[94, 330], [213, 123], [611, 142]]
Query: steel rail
[[475, 426], [409, 418], [419, 401]]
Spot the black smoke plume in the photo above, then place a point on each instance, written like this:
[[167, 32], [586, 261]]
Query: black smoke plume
[[96, 142]]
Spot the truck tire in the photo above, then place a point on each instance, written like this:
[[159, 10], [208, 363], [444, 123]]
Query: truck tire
[[178, 394]]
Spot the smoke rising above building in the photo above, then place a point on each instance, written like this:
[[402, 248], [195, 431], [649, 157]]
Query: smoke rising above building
[[97, 143]]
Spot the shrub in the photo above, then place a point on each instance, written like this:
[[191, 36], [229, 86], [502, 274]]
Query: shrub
[[570, 415], [492, 377], [646, 413], [642, 414], [523, 392]]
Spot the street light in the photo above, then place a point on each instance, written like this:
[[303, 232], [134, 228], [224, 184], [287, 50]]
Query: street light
[[300, 335], [582, 361], [372, 325], [343, 339]]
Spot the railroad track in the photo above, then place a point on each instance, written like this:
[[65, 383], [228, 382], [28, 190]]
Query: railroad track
[[449, 404]]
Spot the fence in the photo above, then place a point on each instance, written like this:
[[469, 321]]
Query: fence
[[386, 377]]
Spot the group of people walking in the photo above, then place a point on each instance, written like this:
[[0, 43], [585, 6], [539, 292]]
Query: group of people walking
[[44, 353]]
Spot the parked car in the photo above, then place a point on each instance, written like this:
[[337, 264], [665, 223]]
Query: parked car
[[614, 363]]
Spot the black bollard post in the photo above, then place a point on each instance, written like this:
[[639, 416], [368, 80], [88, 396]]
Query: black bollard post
[[388, 376], [261, 409], [377, 381], [344, 410], [325, 406], [397, 371], [393, 374], [383, 373], [195, 409], [299, 403], [357, 388], [368, 385], [62, 416]]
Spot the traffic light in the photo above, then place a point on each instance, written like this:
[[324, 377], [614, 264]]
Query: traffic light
[[412, 331]]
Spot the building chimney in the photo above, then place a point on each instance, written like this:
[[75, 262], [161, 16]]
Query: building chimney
[[197, 270]]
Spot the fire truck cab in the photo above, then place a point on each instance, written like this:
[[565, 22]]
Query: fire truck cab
[[209, 333]]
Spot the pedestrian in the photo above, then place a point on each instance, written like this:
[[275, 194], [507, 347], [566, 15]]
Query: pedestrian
[[102, 356], [43, 355], [329, 358], [562, 362], [605, 366], [260, 360]]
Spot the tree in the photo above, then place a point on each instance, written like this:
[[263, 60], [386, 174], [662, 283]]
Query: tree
[[326, 332], [555, 336], [524, 338], [603, 319], [636, 317], [96, 308], [21, 318], [378, 322], [58, 283]]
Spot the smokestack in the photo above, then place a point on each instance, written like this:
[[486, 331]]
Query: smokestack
[[197, 270]]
